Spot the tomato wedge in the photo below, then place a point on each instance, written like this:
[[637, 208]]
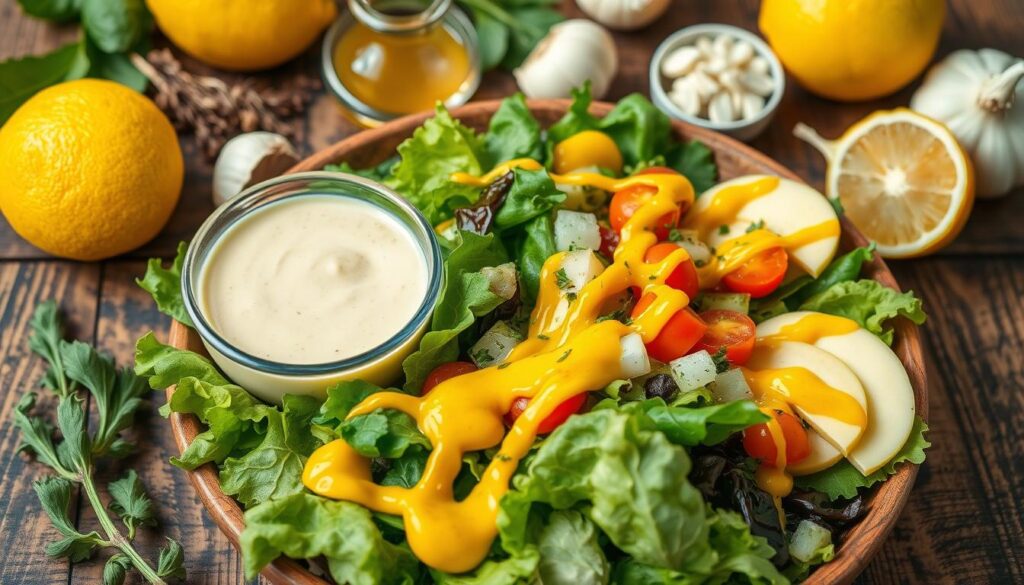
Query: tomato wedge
[[558, 416], [729, 330], [445, 372], [760, 275], [684, 277], [625, 203], [682, 331], [758, 443]]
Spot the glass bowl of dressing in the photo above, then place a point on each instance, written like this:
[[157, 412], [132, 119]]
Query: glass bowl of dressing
[[310, 279], [384, 59]]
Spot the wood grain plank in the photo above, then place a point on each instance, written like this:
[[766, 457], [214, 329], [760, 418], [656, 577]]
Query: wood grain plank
[[126, 312], [24, 528]]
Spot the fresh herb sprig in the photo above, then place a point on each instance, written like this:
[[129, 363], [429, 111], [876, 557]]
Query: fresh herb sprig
[[509, 29], [74, 365]]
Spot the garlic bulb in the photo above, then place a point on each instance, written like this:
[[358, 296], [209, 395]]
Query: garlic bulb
[[248, 159], [572, 53], [623, 14], [973, 93]]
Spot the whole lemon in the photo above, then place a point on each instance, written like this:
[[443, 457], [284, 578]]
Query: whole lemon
[[853, 50], [242, 35], [89, 169]]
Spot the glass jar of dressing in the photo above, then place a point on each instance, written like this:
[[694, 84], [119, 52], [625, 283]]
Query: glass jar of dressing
[[310, 279], [384, 59]]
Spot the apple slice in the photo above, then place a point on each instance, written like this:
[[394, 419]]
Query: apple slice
[[788, 208], [823, 455], [790, 354], [889, 392]]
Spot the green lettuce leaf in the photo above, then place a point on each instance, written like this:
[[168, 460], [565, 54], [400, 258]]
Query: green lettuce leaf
[[533, 193], [706, 425], [842, 480], [869, 303], [438, 148], [790, 296], [536, 246], [164, 284], [163, 365], [519, 569], [652, 513], [304, 526], [384, 433], [465, 295], [576, 119], [377, 173], [513, 132], [696, 162], [570, 551]]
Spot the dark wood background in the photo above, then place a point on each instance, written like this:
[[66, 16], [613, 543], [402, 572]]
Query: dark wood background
[[964, 521]]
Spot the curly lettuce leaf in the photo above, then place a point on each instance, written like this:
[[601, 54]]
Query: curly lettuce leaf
[[706, 425], [304, 526], [869, 303], [510, 571], [465, 295], [377, 173], [652, 513], [513, 132], [842, 480], [570, 551], [164, 285]]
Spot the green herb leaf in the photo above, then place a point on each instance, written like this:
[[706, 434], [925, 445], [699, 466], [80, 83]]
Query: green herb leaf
[[304, 526], [74, 451], [55, 496], [513, 131], [172, 560], [164, 284], [55, 10], [37, 435], [115, 67], [493, 36], [707, 425], [696, 162], [130, 502], [45, 340], [842, 480], [115, 25], [22, 78], [868, 302], [538, 244], [533, 193], [116, 569]]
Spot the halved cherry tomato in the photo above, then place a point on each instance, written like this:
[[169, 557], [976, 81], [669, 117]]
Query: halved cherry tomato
[[609, 241], [445, 372], [760, 275], [679, 334], [625, 203], [758, 443], [684, 277], [558, 416], [730, 330]]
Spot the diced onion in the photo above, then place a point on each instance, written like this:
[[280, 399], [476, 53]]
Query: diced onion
[[693, 371], [494, 346], [576, 231], [808, 538], [633, 359], [730, 385]]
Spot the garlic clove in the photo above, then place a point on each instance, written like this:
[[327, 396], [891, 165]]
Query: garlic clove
[[720, 108], [248, 159], [751, 105], [757, 83], [704, 45], [730, 80], [759, 65], [706, 86], [680, 62], [721, 46], [742, 52], [717, 65], [573, 52], [686, 97]]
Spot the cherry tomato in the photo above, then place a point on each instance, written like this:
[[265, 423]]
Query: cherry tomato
[[679, 334], [760, 275], [625, 203], [445, 372], [558, 416], [684, 277], [758, 443], [730, 330], [609, 241]]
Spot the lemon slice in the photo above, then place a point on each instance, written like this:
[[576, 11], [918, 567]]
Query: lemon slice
[[902, 179]]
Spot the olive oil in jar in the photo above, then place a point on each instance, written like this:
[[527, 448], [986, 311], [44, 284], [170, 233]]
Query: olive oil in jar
[[389, 58]]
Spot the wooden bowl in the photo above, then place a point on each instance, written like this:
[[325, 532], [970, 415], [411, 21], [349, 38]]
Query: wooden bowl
[[734, 159]]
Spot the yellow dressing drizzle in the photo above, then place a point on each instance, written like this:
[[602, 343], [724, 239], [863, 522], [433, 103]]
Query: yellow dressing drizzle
[[566, 353], [727, 203]]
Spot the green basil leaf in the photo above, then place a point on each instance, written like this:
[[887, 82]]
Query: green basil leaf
[[115, 25], [494, 38], [55, 10]]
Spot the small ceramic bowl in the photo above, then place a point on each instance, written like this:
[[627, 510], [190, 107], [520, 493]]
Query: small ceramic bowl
[[746, 129]]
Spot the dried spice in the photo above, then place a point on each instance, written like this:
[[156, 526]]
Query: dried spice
[[215, 110]]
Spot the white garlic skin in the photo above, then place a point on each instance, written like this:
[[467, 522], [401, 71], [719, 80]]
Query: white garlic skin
[[248, 159], [624, 14], [573, 52], [979, 96]]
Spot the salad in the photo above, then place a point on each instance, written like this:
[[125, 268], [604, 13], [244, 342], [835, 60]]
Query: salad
[[632, 375]]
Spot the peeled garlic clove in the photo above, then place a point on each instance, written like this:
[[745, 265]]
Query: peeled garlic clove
[[704, 45], [720, 108], [741, 53], [730, 80], [717, 65], [573, 52], [737, 99], [248, 159], [750, 106], [686, 97], [722, 46], [758, 83], [706, 86], [759, 65], [680, 62]]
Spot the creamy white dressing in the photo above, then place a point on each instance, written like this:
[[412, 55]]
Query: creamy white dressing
[[313, 279]]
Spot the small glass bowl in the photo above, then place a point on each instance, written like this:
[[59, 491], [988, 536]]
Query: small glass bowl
[[437, 13], [271, 380]]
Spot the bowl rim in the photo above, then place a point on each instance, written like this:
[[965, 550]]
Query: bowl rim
[[676, 39], [861, 542]]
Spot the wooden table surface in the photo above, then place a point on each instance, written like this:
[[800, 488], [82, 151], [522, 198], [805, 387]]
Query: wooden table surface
[[963, 523]]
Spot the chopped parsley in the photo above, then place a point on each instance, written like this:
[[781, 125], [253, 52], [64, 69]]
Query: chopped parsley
[[617, 315], [542, 337], [757, 225], [482, 356], [504, 365], [562, 279], [674, 235], [837, 205], [564, 356], [721, 362], [700, 263], [723, 230]]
